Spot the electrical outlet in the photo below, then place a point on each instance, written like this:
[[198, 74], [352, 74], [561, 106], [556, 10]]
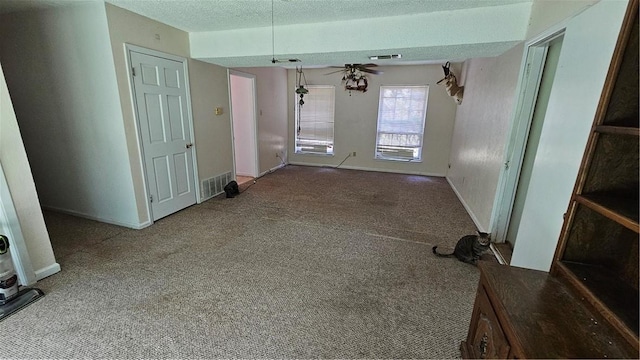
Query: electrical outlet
[[353, 154]]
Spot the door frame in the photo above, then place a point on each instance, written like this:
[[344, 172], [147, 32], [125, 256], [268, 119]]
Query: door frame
[[134, 48], [531, 70], [252, 77]]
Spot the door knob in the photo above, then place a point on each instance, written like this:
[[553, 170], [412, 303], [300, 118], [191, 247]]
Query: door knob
[[189, 145]]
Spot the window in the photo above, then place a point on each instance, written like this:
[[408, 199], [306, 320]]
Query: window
[[401, 116], [314, 121]]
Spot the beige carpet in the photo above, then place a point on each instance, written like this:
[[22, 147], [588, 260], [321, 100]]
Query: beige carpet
[[306, 263]]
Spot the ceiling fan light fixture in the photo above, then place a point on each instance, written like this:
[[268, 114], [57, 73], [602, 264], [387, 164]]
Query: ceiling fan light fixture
[[385, 57]]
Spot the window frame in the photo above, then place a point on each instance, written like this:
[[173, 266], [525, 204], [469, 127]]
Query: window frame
[[378, 153], [329, 148]]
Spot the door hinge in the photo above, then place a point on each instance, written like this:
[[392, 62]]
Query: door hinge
[[150, 198], [133, 71], [506, 165]]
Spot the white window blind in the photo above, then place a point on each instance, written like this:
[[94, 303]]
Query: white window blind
[[314, 120], [401, 116]]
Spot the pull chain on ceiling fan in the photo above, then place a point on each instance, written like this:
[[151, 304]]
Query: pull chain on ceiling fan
[[273, 43]]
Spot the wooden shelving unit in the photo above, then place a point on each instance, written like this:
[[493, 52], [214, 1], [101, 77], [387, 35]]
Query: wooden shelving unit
[[587, 305], [598, 249]]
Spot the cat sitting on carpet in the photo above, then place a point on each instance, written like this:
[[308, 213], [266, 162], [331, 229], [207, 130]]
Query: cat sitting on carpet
[[469, 248]]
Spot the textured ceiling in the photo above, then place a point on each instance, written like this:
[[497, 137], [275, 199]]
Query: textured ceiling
[[214, 15], [230, 19]]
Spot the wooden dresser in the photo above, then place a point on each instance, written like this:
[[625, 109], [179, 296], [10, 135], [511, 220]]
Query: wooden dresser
[[587, 305], [521, 313]]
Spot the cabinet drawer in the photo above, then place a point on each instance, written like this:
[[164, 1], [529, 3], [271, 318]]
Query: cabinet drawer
[[486, 340]]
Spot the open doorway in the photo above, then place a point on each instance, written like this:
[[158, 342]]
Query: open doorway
[[242, 90], [539, 112], [539, 73]]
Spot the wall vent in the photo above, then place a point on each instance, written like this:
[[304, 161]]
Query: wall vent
[[215, 186]]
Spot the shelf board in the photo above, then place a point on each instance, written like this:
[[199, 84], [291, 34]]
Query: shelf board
[[618, 130], [623, 210], [628, 122], [614, 295]]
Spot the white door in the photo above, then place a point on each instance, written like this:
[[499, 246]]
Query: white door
[[243, 115], [165, 130]]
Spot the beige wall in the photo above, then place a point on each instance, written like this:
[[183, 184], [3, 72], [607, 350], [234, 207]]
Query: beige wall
[[21, 185], [271, 89], [356, 120], [128, 27], [59, 69], [480, 133], [210, 89]]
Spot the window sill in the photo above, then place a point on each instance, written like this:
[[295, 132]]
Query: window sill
[[314, 154], [417, 161]]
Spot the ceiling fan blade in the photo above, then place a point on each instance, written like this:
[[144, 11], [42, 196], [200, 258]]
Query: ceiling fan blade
[[369, 65], [371, 71], [334, 72]]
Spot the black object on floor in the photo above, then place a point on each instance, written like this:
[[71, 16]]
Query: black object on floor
[[231, 189], [22, 299]]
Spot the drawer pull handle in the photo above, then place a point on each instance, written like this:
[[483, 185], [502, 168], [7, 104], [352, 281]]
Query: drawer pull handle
[[484, 341]]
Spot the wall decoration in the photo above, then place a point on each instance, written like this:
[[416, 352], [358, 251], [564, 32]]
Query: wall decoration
[[451, 84]]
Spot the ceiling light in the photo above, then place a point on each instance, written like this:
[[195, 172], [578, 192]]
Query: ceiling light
[[385, 57]]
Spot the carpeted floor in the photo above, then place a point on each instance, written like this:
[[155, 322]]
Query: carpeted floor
[[305, 263]]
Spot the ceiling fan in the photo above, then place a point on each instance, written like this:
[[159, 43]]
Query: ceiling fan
[[273, 44], [354, 76], [351, 70]]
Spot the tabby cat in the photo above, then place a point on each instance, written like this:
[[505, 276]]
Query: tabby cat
[[469, 248]]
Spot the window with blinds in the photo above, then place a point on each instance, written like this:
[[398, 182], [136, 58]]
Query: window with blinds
[[314, 120], [402, 112]]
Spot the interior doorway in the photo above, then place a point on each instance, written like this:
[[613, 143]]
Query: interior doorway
[[538, 75], [242, 90], [539, 112]]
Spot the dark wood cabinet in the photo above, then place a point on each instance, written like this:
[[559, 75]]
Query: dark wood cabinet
[[587, 305], [521, 313], [597, 251]]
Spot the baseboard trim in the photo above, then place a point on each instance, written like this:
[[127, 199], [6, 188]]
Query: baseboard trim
[[466, 206], [271, 170], [364, 168], [47, 271], [97, 218], [498, 255]]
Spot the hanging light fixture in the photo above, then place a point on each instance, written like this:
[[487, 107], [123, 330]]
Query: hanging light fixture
[[273, 43], [300, 90]]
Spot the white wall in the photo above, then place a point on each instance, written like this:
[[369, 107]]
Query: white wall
[[243, 110], [271, 98], [480, 133], [356, 120], [547, 13], [584, 61], [14, 162], [60, 73]]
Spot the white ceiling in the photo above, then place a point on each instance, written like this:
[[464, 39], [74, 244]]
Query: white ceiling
[[219, 20], [215, 15]]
